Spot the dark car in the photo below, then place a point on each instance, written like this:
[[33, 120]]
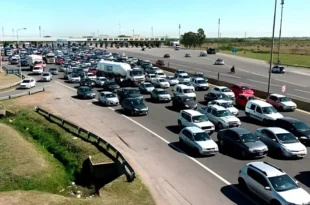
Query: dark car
[[160, 62], [146, 87], [111, 86], [167, 56], [24, 62], [211, 51], [181, 102], [134, 106], [140, 62], [87, 82], [298, 128], [85, 92], [129, 93], [242, 142], [212, 96]]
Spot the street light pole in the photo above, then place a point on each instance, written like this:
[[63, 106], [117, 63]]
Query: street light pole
[[272, 45], [20, 65], [152, 32], [280, 32]]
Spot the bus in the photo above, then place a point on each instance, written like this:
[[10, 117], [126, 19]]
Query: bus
[[50, 58]]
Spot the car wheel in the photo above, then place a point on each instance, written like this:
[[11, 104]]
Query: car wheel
[[243, 154], [279, 153], [180, 124], [220, 126], [242, 184], [247, 115], [180, 140], [196, 151], [221, 142], [132, 113], [265, 122], [281, 108]]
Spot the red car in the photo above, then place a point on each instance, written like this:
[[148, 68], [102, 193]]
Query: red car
[[93, 70], [59, 61], [243, 98], [241, 88]]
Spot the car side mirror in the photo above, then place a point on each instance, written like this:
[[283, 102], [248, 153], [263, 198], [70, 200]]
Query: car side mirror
[[267, 188], [274, 140], [296, 182]]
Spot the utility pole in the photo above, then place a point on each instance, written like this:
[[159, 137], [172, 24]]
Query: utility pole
[[245, 35], [98, 33], [119, 29], [40, 31], [219, 29], [152, 31], [179, 32], [13, 32], [280, 32], [272, 45], [2, 31], [133, 32]]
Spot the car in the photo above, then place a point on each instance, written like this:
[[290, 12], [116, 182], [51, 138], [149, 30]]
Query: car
[[146, 87], [242, 99], [298, 128], [241, 88], [74, 77], [181, 89], [87, 82], [27, 83], [37, 70], [211, 51], [223, 89], [261, 111], [281, 102], [203, 54], [111, 86], [134, 106], [160, 95], [199, 83], [193, 118], [93, 70], [100, 81], [160, 83], [46, 76], [91, 76], [172, 80], [149, 77], [218, 96], [167, 56], [278, 69], [219, 62], [160, 74], [53, 71], [242, 142], [226, 104], [198, 140], [129, 93], [181, 102], [187, 55], [178, 72], [108, 98], [220, 116], [183, 77], [85, 92], [160, 63], [271, 184], [188, 84], [151, 69], [281, 142]]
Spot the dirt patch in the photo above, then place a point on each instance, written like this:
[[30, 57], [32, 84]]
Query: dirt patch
[[8, 79]]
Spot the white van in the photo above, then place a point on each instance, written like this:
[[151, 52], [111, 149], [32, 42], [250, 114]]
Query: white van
[[181, 89], [37, 70], [262, 111], [183, 77], [160, 74]]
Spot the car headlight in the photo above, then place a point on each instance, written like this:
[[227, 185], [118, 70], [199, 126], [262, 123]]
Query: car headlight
[[286, 149], [186, 106], [136, 109], [251, 150]]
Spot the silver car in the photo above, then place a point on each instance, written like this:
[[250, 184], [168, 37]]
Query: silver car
[[108, 98], [46, 77], [53, 71], [146, 87], [100, 81], [160, 95]]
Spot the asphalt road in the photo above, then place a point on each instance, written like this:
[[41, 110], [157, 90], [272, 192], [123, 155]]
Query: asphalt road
[[254, 73], [162, 120]]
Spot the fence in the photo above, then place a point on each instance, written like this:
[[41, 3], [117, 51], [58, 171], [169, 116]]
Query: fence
[[31, 92], [129, 172]]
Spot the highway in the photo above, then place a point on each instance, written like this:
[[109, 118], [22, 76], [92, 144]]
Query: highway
[[252, 72]]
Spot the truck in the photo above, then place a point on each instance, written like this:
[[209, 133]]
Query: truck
[[50, 58], [33, 60], [121, 72]]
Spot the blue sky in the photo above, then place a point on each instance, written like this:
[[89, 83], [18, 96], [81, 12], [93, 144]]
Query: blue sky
[[78, 18]]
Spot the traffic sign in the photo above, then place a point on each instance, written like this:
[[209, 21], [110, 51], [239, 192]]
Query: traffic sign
[[283, 88], [234, 50]]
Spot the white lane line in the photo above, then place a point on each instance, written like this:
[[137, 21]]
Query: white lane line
[[298, 96], [65, 85], [303, 91], [290, 83], [231, 76], [191, 158], [246, 71], [263, 83]]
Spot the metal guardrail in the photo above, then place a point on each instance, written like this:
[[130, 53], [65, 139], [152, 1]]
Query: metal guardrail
[[129, 172], [31, 92]]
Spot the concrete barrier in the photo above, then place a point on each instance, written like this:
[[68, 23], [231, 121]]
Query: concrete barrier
[[31, 92]]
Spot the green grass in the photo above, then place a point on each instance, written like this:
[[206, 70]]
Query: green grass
[[286, 59], [8, 79]]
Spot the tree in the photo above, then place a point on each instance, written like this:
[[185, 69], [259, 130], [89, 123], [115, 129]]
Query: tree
[[189, 39], [201, 37]]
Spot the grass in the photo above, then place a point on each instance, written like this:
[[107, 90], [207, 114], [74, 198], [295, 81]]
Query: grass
[[8, 79]]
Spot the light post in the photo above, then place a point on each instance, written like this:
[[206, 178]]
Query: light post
[[280, 32], [152, 32], [272, 45], [20, 65]]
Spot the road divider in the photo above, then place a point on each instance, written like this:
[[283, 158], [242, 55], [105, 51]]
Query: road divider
[[31, 92], [128, 170]]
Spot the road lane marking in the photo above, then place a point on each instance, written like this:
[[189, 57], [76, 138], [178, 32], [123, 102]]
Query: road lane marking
[[298, 96], [290, 83], [303, 91], [65, 86], [263, 83], [229, 75]]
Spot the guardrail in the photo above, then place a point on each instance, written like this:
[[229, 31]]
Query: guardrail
[[30, 92], [258, 93], [129, 172]]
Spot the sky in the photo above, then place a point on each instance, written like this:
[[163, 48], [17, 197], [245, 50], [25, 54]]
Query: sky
[[239, 18]]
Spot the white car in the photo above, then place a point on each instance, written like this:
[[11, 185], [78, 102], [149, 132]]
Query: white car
[[38, 70], [198, 140], [108, 98], [183, 77], [219, 62], [100, 80], [200, 83], [226, 104], [73, 77], [160, 74], [91, 76], [181, 89], [27, 83], [189, 84], [46, 76], [172, 80], [160, 83], [224, 90], [150, 77]]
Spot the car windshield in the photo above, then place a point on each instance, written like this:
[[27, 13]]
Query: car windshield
[[133, 91], [136, 102], [87, 89], [226, 105], [300, 126], [162, 92], [110, 95], [90, 74], [188, 90], [222, 96], [185, 76], [187, 99], [26, 81], [201, 136], [223, 113], [201, 81], [225, 90], [137, 72], [162, 80], [160, 74], [112, 83], [46, 74], [102, 79], [248, 137], [269, 110], [199, 118], [284, 99], [286, 138], [148, 85], [251, 98], [53, 69], [172, 78], [186, 83], [244, 88], [283, 183], [75, 75]]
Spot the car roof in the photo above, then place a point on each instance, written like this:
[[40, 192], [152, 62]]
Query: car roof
[[268, 169], [182, 86], [260, 103], [246, 95], [159, 89], [128, 88], [241, 84], [193, 129], [183, 74], [217, 107], [28, 79], [220, 87], [277, 95], [198, 78], [83, 87], [106, 92], [290, 119], [239, 130], [277, 130], [133, 99], [192, 112], [221, 101]]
